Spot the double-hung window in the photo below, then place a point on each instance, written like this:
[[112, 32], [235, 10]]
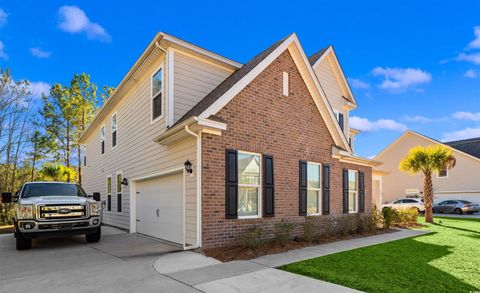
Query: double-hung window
[[102, 139], [114, 130], [352, 191], [249, 183], [313, 188], [84, 155], [109, 194], [119, 192], [157, 93]]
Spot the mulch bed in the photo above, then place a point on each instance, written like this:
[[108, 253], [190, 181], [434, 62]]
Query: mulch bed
[[6, 229], [238, 252]]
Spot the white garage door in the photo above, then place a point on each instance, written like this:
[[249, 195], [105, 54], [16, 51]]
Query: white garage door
[[160, 207]]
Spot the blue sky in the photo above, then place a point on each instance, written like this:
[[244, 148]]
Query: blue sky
[[413, 65]]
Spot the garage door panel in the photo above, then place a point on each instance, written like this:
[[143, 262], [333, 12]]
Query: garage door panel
[[160, 207]]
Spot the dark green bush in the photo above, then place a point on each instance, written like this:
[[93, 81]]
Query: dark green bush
[[251, 237], [389, 216], [283, 231]]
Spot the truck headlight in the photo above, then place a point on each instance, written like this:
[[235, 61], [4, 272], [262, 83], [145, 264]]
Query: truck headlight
[[25, 212], [94, 209]]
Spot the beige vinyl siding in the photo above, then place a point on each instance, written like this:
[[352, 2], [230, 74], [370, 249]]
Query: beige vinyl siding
[[464, 177], [136, 154], [194, 79], [328, 79]]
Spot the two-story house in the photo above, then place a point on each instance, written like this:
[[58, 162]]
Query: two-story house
[[193, 147]]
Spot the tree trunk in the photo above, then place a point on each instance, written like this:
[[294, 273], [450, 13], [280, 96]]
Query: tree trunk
[[428, 197], [79, 164], [67, 159]]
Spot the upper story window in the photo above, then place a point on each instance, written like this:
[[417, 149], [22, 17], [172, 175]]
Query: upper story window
[[313, 188], [102, 139], [114, 130], [157, 93], [84, 155], [248, 184], [443, 173], [340, 119]]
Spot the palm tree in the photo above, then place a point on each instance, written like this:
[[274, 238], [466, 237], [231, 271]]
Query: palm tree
[[428, 160]]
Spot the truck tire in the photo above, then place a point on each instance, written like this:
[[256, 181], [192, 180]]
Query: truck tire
[[22, 242], [94, 237]]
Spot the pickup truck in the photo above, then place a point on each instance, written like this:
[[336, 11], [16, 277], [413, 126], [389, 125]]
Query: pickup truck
[[54, 209]]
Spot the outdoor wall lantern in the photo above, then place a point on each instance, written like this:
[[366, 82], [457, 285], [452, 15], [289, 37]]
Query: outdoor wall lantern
[[188, 167], [125, 182]]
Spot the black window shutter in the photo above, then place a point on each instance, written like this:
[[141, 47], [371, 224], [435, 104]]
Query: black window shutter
[[114, 138], [103, 147], [340, 120], [361, 191], [268, 187], [326, 190], [231, 183], [303, 189], [345, 191]]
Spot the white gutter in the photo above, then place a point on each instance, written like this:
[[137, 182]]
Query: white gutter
[[198, 185]]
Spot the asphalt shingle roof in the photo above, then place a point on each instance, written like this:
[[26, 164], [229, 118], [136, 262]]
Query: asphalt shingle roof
[[470, 146]]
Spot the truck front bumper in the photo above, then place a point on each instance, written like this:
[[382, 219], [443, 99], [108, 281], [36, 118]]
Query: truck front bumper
[[40, 229]]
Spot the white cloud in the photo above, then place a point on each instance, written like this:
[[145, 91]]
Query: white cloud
[[358, 84], [400, 79], [74, 20], [466, 116], [40, 53], [39, 88], [476, 42], [3, 17], [461, 134], [470, 74], [3, 54], [417, 118], [472, 58], [363, 124]]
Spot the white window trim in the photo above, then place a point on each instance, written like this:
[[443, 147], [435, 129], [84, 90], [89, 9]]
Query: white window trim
[[286, 87], [355, 211], [154, 120], [319, 190], [442, 177], [259, 204], [116, 193], [116, 129], [106, 195], [103, 140]]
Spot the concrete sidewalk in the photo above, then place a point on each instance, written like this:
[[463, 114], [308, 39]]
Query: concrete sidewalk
[[259, 275]]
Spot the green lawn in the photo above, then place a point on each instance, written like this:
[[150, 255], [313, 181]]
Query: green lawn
[[447, 260]]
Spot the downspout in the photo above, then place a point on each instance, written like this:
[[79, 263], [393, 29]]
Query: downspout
[[199, 184]]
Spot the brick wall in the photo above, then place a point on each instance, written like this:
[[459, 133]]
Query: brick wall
[[260, 119]]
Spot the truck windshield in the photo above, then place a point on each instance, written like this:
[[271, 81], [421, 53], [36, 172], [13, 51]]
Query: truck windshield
[[52, 189]]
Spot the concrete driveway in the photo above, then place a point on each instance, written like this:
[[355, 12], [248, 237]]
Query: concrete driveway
[[120, 262]]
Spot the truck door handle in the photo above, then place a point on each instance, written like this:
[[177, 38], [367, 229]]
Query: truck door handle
[[158, 213]]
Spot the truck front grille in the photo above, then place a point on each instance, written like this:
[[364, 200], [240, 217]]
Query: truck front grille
[[62, 226], [72, 211]]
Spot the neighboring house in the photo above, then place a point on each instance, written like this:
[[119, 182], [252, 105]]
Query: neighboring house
[[193, 147], [461, 182]]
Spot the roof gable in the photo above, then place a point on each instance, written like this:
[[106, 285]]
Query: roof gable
[[328, 54], [228, 89], [429, 140]]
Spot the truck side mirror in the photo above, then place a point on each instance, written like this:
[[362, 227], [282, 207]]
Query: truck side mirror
[[6, 197], [96, 196]]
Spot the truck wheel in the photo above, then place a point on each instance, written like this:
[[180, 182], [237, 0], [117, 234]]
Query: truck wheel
[[22, 243], [94, 237]]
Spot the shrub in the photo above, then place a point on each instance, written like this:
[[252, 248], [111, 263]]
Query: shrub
[[406, 216], [331, 226], [283, 231], [309, 229], [377, 217], [366, 223], [251, 238], [347, 224], [388, 217]]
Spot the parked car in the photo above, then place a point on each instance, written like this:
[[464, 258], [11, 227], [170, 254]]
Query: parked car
[[406, 203], [456, 206], [54, 209]]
